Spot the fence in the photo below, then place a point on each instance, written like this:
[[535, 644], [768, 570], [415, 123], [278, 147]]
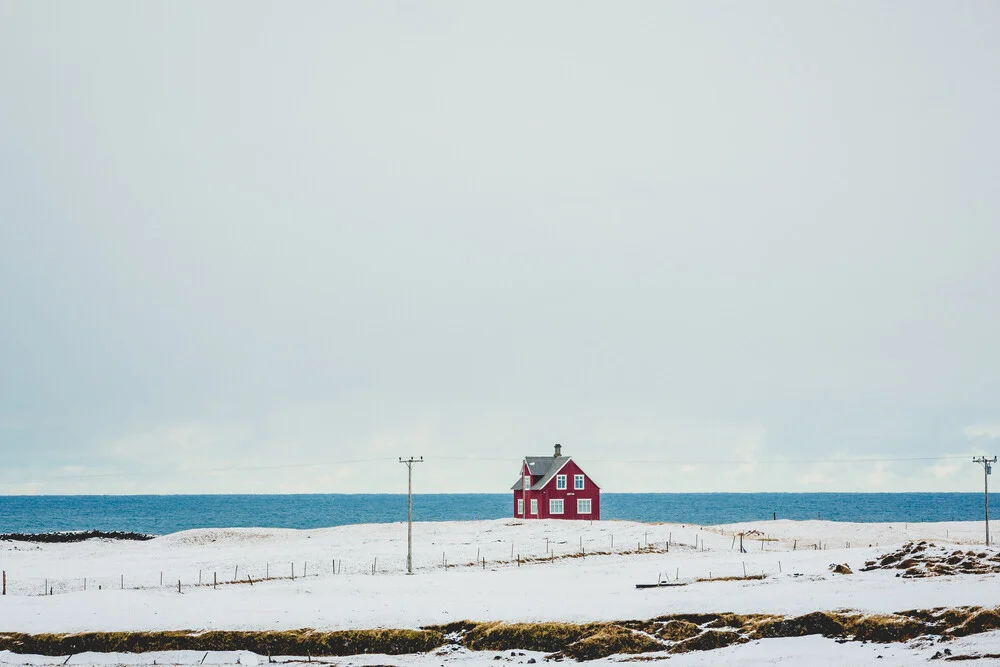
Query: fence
[[495, 555]]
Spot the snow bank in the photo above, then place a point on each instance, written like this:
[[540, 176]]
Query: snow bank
[[579, 571]]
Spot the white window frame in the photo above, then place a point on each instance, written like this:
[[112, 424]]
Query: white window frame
[[526, 484], [520, 506], [561, 482], [584, 502], [577, 482], [556, 502], [534, 506]]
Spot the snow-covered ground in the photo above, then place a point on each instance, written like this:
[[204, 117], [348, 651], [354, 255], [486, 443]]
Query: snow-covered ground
[[795, 556]]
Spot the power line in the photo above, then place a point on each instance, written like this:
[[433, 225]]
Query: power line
[[146, 473], [313, 464], [731, 461]]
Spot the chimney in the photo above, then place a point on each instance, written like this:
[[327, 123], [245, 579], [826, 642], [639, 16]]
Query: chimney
[[558, 451]]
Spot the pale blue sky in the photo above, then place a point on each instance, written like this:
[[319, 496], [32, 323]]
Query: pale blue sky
[[241, 235]]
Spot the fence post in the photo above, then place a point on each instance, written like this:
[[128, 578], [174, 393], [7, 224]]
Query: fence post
[[5, 582]]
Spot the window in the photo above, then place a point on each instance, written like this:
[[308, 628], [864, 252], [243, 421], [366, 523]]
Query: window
[[577, 481], [527, 481], [560, 481], [520, 506], [556, 506], [583, 505], [534, 505]]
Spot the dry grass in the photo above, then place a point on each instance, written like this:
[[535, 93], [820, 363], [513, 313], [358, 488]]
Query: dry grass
[[526, 636], [927, 560], [611, 640], [289, 642], [677, 633], [749, 577]]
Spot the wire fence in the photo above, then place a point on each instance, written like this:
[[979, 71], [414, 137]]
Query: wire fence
[[494, 556], [177, 580], [185, 578]]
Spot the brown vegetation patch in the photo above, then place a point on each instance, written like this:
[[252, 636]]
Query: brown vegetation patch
[[888, 629], [289, 642], [749, 577], [677, 630], [815, 623], [526, 636], [710, 639], [981, 621], [927, 560], [610, 640], [677, 633]]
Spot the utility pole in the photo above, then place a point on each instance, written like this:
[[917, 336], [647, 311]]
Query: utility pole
[[987, 469], [409, 510]]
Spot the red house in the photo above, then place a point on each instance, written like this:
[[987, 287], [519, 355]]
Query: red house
[[554, 487]]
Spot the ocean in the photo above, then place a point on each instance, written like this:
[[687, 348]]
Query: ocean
[[160, 515]]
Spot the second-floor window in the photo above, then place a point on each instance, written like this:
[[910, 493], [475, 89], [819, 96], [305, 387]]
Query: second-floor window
[[577, 481], [560, 481]]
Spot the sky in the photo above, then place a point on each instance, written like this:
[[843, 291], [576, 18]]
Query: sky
[[256, 247]]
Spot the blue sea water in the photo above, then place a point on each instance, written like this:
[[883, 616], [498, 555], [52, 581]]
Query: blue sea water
[[167, 514]]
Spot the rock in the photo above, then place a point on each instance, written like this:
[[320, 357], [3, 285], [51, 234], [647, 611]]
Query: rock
[[841, 568]]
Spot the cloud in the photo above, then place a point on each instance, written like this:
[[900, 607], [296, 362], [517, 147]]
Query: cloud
[[945, 469], [221, 266], [982, 430]]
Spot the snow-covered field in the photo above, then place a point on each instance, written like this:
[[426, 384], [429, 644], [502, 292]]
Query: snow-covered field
[[340, 591]]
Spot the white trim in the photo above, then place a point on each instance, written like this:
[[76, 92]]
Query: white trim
[[580, 479], [562, 506], [534, 506], [520, 506], [590, 506], [560, 479]]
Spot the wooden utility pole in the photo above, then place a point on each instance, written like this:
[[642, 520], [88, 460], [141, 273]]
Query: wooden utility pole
[[409, 510], [987, 469]]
